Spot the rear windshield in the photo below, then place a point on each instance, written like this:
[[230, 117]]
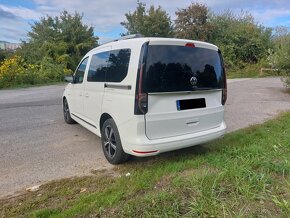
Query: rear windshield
[[179, 68]]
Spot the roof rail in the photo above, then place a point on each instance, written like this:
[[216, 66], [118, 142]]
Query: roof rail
[[132, 36]]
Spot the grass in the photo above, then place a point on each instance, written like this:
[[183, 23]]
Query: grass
[[250, 71], [244, 174]]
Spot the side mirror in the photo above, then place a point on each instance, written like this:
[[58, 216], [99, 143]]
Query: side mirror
[[69, 79]]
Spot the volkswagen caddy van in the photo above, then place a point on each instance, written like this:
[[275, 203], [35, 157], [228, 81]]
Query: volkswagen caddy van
[[144, 96]]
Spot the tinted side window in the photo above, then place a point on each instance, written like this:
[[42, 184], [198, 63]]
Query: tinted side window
[[79, 74], [98, 67], [118, 65]]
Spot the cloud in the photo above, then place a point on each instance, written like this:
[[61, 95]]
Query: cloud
[[6, 15], [270, 16], [105, 15], [21, 12], [13, 28], [101, 14]]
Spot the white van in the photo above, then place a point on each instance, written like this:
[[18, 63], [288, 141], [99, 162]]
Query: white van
[[144, 96]]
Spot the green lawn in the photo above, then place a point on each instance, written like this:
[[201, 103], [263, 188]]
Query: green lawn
[[250, 71], [245, 174]]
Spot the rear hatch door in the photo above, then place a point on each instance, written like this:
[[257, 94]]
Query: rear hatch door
[[184, 83]]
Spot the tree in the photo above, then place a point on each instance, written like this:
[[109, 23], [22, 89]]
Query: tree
[[62, 39], [282, 48], [240, 38], [153, 22], [193, 23], [279, 57]]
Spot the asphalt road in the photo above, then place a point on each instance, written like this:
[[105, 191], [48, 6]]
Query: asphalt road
[[36, 145]]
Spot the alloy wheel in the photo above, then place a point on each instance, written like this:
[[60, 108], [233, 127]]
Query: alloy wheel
[[66, 110], [110, 141]]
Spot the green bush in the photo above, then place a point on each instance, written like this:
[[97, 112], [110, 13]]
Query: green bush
[[15, 71], [51, 71], [286, 78]]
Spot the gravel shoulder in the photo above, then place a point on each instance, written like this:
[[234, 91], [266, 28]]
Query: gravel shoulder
[[36, 145]]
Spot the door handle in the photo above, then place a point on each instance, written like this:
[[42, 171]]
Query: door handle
[[86, 95], [193, 122]]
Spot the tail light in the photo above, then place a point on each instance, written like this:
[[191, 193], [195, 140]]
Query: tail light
[[224, 91], [141, 97], [142, 102], [224, 95]]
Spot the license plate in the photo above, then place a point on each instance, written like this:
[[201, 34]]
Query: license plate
[[189, 104]]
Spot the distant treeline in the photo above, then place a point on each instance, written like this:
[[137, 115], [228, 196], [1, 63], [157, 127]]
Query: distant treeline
[[55, 45]]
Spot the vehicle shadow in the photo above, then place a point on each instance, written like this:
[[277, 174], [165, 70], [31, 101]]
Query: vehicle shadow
[[171, 155]]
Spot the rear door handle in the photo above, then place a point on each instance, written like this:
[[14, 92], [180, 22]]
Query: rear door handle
[[193, 122], [86, 95]]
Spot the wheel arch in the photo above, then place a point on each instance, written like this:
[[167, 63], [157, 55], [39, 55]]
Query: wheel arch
[[65, 98], [103, 118]]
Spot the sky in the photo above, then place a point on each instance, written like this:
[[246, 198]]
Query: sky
[[16, 16]]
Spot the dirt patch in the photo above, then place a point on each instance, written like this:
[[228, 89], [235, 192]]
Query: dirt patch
[[106, 172], [163, 183]]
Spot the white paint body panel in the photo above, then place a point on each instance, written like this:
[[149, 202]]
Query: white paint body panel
[[164, 120]]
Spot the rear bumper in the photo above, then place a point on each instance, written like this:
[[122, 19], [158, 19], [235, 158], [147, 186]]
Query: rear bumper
[[146, 147]]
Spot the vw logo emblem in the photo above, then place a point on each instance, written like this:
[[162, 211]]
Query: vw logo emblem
[[193, 81]]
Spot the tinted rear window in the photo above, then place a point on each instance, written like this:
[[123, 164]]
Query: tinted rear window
[[179, 68]]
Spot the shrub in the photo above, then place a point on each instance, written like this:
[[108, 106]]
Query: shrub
[[15, 71], [286, 78], [51, 71]]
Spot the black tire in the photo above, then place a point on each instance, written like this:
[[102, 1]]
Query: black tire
[[66, 113], [111, 143]]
